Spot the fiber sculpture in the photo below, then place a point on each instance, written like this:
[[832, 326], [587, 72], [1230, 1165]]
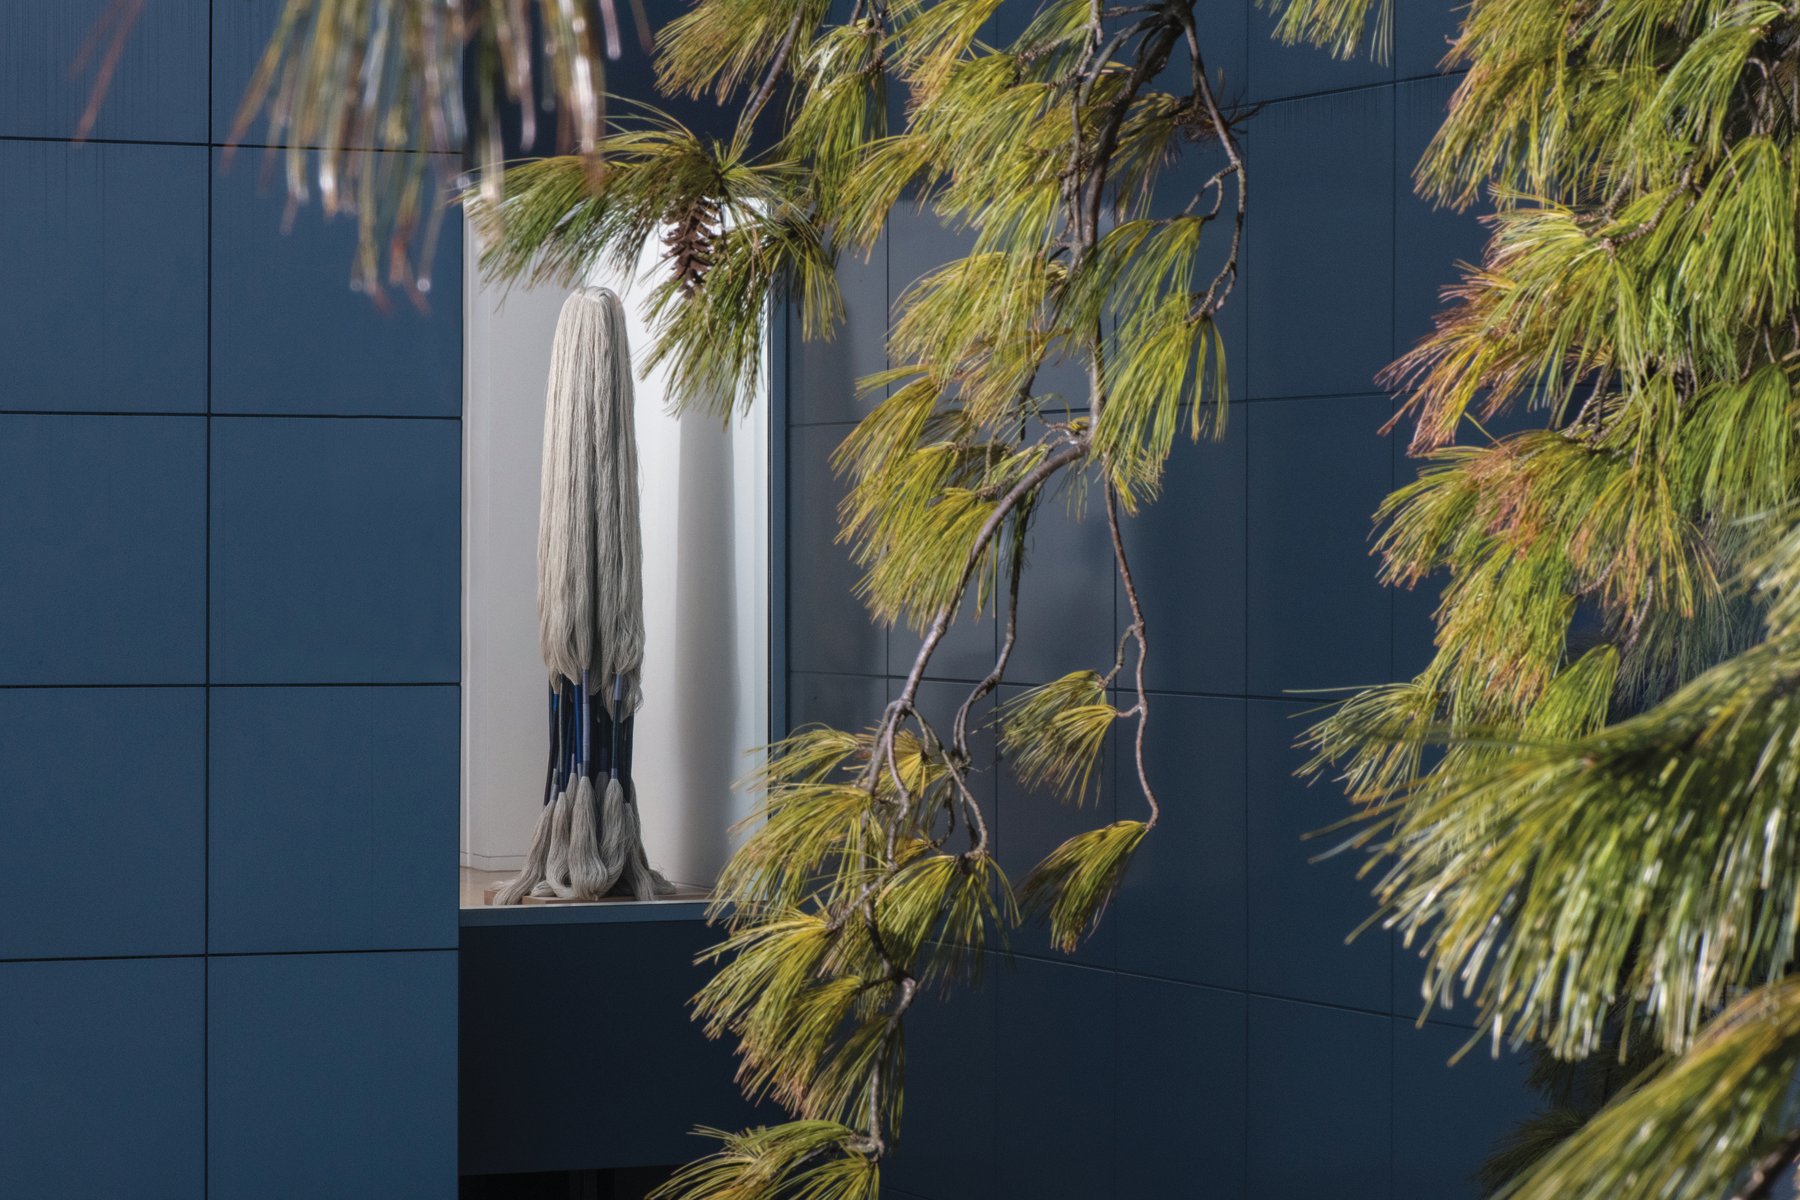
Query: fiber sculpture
[[588, 842]]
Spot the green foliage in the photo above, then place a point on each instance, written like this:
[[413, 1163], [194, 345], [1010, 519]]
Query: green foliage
[[730, 44], [1713, 1120], [342, 81], [960, 902], [1574, 1092], [1169, 353], [1577, 100], [1341, 26], [1532, 864], [800, 1160], [842, 106], [787, 1013], [797, 837], [1171, 374], [554, 218], [1052, 735], [1527, 1143], [1077, 880], [1607, 837], [928, 514]]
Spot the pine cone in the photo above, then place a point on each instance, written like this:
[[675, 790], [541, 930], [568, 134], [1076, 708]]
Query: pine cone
[[690, 242]]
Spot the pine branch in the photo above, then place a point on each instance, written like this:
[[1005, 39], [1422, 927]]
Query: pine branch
[[1720, 1118], [1610, 822]]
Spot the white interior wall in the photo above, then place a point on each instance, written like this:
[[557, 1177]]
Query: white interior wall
[[705, 509]]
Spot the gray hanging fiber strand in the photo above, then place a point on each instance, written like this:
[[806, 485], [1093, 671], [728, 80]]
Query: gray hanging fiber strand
[[639, 878], [556, 865], [566, 507], [590, 601], [536, 860], [618, 532]]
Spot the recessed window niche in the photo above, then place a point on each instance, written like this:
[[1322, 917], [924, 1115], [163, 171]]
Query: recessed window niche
[[705, 512]]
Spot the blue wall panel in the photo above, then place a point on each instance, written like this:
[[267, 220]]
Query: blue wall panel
[[1183, 1071], [947, 1145], [103, 533], [1278, 70], [101, 1084], [828, 629], [158, 87], [289, 335], [1053, 1134], [938, 701], [240, 33], [331, 1075], [1224, 31], [102, 813], [1320, 244], [1318, 618], [327, 818], [336, 551], [966, 652], [823, 372], [593, 1008], [1187, 550], [107, 246], [1409, 986], [146, 296], [1063, 594], [1423, 31], [1182, 911], [847, 701], [1320, 1103], [1449, 1118], [1302, 910], [1430, 240]]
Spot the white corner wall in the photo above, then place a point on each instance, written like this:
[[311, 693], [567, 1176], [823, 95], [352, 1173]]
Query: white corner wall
[[706, 591]]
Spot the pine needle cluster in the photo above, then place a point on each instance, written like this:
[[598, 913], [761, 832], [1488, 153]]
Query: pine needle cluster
[[1583, 810], [342, 81]]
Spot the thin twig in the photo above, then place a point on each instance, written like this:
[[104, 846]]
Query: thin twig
[[895, 713], [1227, 274], [940, 625], [1141, 710], [1763, 1177], [960, 728], [776, 67]]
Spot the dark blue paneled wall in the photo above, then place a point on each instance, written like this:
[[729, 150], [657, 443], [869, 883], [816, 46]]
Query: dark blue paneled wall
[[228, 665], [1217, 1038], [229, 514]]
